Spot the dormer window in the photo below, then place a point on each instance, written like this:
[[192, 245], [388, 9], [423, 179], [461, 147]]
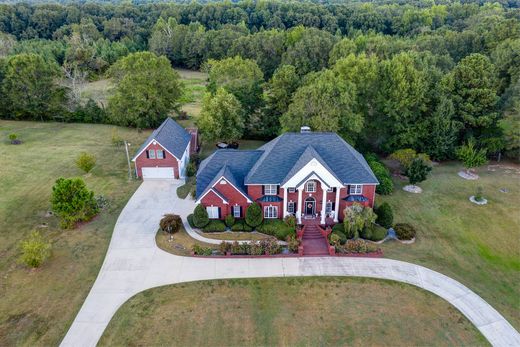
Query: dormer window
[[310, 187], [270, 189]]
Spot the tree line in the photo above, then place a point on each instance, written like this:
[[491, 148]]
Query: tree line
[[384, 76]]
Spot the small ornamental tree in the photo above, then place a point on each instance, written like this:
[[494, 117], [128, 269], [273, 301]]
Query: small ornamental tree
[[73, 202], [470, 155], [254, 215], [35, 250], [200, 216], [13, 137], [356, 218], [385, 215], [85, 161], [417, 171], [229, 220], [170, 223], [406, 156]]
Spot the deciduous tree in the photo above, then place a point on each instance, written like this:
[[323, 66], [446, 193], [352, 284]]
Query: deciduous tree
[[221, 117]]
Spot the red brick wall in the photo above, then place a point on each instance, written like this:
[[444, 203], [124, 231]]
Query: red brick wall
[[234, 198], [168, 161], [211, 199], [369, 191]]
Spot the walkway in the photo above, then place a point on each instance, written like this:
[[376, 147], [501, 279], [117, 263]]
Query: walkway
[[134, 263], [314, 243]]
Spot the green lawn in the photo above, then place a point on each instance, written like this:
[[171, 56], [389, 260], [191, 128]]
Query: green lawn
[[477, 245], [37, 306], [289, 312]]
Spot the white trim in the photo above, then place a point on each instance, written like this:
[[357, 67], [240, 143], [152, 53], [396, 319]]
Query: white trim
[[232, 185], [239, 211], [270, 186], [313, 170], [157, 143], [212, 208], [206, 193], [266, 208], [355, 189]]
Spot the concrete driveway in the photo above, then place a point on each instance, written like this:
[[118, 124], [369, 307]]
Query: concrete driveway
[[134, 263]]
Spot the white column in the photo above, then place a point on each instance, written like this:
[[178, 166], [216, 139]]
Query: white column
[[299, 213], [284, 202], [336, 206], [323, 204]]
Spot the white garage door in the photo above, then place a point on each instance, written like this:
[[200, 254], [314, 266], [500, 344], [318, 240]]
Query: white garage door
[[157, 173]]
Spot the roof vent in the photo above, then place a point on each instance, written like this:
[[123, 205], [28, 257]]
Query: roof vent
[[305, 129]]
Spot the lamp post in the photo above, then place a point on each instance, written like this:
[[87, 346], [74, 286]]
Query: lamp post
[[128, 160]]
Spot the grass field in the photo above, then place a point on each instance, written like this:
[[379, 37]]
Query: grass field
[[37, 306], [477, 245], [289, 312]]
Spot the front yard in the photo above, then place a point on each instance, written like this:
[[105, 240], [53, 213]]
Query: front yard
[[289, 312], [37, 306]]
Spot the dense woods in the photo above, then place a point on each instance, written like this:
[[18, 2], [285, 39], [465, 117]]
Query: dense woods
[[384, 75]]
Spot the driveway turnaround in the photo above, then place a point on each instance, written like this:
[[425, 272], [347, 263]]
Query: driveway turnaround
[[134, 263]]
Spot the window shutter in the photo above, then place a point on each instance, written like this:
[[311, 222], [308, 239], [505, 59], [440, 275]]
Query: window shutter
[[164, 154], [147, 155], [241, 212], [263, 189], [333, 206], [218, 212], [277, 190]]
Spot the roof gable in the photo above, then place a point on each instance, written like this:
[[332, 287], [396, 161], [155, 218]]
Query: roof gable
[[171, 136]]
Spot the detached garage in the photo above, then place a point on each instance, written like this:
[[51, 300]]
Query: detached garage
[[165, 154]]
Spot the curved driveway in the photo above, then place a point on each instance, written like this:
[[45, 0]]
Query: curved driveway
[[134, 263]]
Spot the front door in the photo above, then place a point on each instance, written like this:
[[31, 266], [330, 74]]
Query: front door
[[310, 205]]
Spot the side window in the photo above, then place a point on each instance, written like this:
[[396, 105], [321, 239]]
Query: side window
[[151, 153], [160, 154]]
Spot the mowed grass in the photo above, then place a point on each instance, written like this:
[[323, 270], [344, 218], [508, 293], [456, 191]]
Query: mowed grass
[[37, 306], [477, 245], [289, 312], [194, 88]]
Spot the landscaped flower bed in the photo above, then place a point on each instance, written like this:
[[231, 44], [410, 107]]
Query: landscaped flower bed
[[357, 247], [253, 248]]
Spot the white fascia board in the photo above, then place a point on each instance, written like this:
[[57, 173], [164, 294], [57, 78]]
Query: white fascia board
[[319, 169], [232, 185]]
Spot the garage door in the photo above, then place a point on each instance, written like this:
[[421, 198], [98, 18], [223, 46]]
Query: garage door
[[157, 173]]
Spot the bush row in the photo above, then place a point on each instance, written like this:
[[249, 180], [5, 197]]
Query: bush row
[[269, 246], [373, 232], [404, 231], [356, 247]]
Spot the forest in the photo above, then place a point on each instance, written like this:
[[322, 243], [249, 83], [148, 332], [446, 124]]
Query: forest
[[384, 75]]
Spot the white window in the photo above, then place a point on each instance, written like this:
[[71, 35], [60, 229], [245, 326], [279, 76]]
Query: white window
[[270, 189], [291, 189], [290, 207], [356, 189], [236, 211], [310, 187], [212, 212], [160, 154], [271, 212], [328, 207], [151, 154]]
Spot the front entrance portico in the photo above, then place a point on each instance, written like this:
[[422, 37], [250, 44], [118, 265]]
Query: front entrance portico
[[310, 207]]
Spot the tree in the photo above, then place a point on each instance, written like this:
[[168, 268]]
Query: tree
[[325, 103], [356, 217], [254, 215], [385, 215], [200, 216], [72, 201], [221, 117], [418, 171], [30, 89], [240, 77], [147, 89], [278, 94], [170, 223], [473, 86], [35, 250], [86, 161], [471, 156]]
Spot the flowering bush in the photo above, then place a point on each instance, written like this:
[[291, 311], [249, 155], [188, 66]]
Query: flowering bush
[[356, 246]]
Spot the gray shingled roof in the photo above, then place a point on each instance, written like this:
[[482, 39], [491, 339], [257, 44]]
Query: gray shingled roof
[[231, 164], [171, 136], [290, 151]]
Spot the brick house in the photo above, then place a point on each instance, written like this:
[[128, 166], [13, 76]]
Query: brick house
[[311, 175], [166, 152]]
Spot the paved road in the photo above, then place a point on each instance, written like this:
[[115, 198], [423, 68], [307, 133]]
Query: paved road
[[134, 263]]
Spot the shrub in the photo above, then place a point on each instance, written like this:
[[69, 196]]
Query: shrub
[[339, 227], [240, 225], [404, 231], [224, 247], [230, 220], [358, 246], [406, 156], [292, 243], [199, 250], [271, 246], [85, 161], [290, 221], [214, 226], [116, 139], [341, 235], [356, 218], [72, 201], [171, 223], [373, 232], [385, 215], [478, 195], [190, 220], [13, 137], [256, 248], [386, 185], [417, 171], [470, 155], [200, 216], [35, 250], [254, 215], [277, 228], [334, 239], [191, 169]]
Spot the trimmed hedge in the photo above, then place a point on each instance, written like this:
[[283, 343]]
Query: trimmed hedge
[[190, 220], [385, 215], [240, 225], [200, 216], [374, 232], [404, 231], [341, 235], [277, 228], [214, 226], [230, 220]]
